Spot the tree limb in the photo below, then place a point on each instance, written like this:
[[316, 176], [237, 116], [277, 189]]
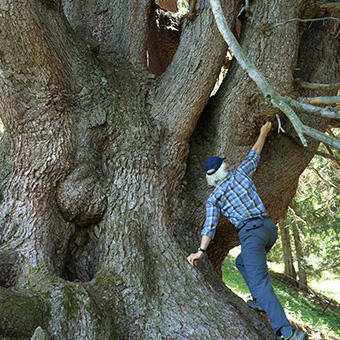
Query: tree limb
[[292, 116], [318, 86], [237, 51], [296, 217], [321, 100], [324, 112], [322, 137], [270, 95], [177, 104]]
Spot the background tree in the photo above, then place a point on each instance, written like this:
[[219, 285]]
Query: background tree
[[316, 213], [316, 216], [289, 269], [105, 190], [300, 258]]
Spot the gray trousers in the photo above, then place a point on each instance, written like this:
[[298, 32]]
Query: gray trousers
[[257, 237]]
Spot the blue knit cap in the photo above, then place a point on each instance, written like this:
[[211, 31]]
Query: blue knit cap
[[212, 164]]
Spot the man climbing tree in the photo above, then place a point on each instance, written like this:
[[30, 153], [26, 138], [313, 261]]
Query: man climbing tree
[[235, 197]]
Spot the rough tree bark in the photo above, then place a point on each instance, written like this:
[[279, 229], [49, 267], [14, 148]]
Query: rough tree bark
[[103, 199]]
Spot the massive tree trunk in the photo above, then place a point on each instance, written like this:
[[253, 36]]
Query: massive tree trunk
[[103, 198]]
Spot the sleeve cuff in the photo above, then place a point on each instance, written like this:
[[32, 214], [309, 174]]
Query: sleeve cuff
[[254, 154], [210, 234]]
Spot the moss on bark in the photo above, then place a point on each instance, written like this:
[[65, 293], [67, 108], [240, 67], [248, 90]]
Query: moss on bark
[[20, 314]]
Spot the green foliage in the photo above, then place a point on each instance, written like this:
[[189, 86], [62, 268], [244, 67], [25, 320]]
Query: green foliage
[[1, 128], [317, 215], [300, 308]]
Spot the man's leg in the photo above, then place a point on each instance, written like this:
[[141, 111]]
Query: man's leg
[[254, 243], [240, 266]]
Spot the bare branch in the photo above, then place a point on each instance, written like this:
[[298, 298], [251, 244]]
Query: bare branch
[[317, 86], [322, 137], [323, 178], [330, 152], [237, 51], [321, 100], [294, 119], [296, 217], [324, 112]]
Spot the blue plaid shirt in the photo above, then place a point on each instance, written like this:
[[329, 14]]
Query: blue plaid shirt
[[235, 197]]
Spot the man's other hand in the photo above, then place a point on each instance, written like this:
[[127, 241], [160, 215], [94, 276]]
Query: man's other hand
[[194, 257]]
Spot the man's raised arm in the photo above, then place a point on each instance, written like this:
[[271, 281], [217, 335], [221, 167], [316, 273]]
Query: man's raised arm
[[262, 137]]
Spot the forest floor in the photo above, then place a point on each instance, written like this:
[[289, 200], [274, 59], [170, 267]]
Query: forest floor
[[315, 312]]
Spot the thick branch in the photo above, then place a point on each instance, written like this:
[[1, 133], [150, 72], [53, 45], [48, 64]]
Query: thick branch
[[330, 100], [185, 87], [318, 86], [313, 151], [322, 137], [324, 112]]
